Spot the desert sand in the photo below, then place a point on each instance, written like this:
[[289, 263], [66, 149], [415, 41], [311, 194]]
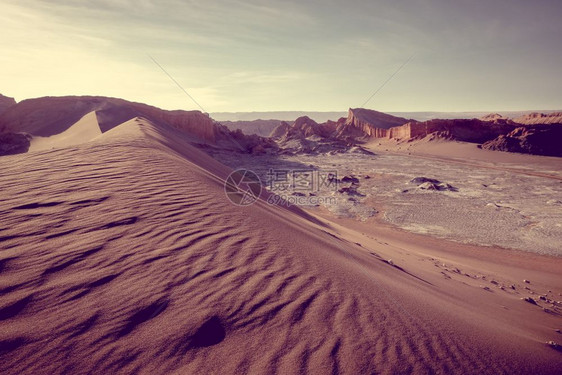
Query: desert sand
[[123, 255], [85, 129]]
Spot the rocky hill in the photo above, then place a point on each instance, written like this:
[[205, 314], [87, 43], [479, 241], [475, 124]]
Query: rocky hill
[[48, 116], [536, 118], [6, 102], [542, 139], [307, 136], [475, 131], [363, 122], [534, 133]]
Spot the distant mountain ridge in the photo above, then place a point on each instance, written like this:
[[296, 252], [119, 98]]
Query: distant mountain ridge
[[26, 121], [541, 136], [49, 116], [320, 117]]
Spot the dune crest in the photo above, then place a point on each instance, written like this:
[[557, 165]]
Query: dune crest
[[84, 130]]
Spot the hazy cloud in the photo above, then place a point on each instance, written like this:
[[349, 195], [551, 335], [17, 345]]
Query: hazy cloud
[[271, 55]]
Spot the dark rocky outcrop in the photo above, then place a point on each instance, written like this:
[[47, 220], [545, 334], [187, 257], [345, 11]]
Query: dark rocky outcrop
[[14, 143], [309, 137], [530, 139]]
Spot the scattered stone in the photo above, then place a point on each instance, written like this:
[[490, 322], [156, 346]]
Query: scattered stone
[[557, 330], [352, 179], [543, 298], [549, 311], [486, 288], [428, 186], [367, 177], [526, 281], [530, 300], [512, 286], [422, 180], [494, 282], [425, 183], [352, 190]]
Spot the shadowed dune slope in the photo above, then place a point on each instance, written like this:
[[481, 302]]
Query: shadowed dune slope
[[123, 255]]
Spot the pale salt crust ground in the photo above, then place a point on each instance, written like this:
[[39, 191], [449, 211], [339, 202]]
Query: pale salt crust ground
[[123, 255], [492, 207]]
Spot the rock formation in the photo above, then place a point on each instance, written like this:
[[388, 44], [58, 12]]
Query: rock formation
[[5, 103], [473, 130], [534, 133], [363, 122], [536, 118], [280, 131], [541, 139], [53, 115], [307, 136], [13, 143]]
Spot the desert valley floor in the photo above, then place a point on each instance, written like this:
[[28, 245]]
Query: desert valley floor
[[123, 255]]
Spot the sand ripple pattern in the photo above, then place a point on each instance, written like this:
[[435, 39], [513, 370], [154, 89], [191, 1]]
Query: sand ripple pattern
[[122, 257]]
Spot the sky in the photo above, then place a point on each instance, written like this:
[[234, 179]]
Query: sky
[[316, 55]]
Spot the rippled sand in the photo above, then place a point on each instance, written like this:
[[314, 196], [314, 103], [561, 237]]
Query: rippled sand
[[123, 255]]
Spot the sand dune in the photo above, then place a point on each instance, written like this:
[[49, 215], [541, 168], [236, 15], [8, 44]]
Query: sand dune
[[123, 255], [86, 129]]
